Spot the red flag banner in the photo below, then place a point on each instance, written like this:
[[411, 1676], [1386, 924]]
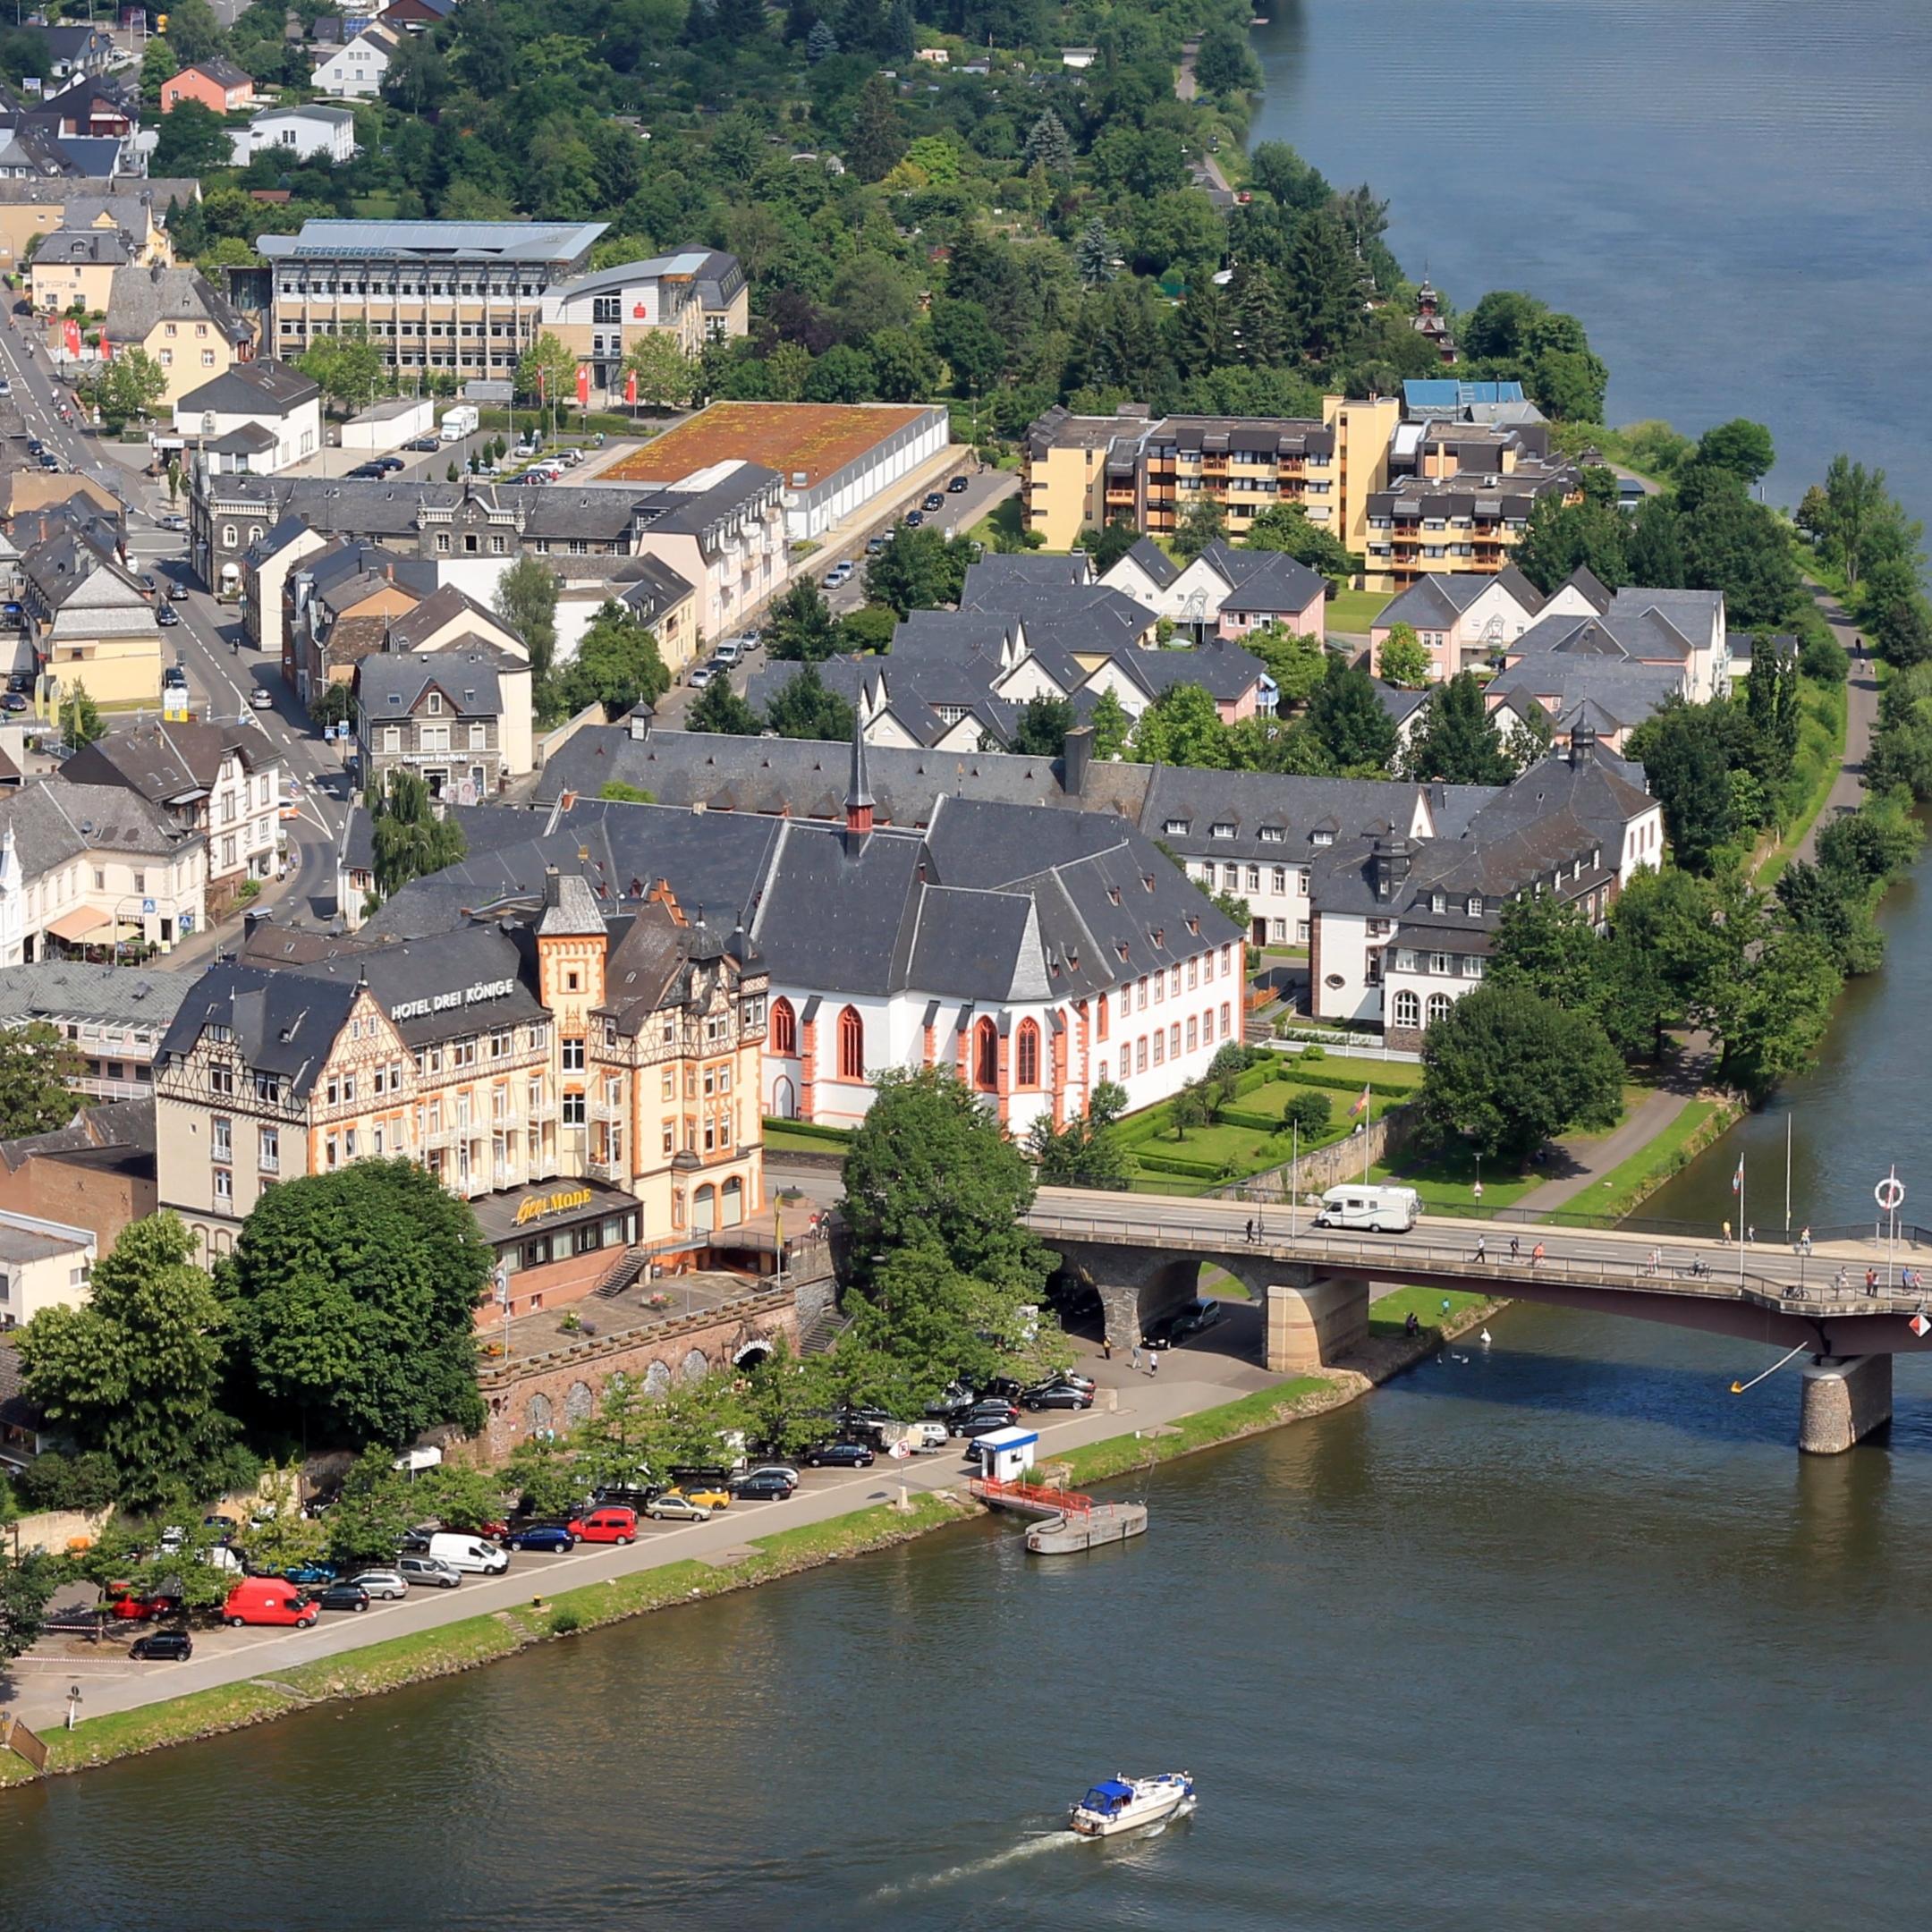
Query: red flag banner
[[71, 330], [541, 397], [106, 348], [630, 389], [583, 384]]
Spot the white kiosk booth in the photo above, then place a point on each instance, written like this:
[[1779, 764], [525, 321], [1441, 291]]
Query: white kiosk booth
[[1006, 1455]]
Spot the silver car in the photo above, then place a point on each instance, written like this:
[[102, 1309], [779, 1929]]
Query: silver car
[[429, 1570], [384, 1583]]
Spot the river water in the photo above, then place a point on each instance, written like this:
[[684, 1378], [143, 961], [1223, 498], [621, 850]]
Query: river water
[[1555, 1632], [1731, 193]]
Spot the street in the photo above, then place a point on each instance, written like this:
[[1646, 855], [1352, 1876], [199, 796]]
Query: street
[[222, 672]]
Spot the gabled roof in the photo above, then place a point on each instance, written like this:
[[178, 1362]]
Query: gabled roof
[[1159, 569], [140, 299], [260, 388], [223, 73], [169, 763], [392, 684]]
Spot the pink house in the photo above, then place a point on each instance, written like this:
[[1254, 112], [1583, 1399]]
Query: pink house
[[1462, 620]]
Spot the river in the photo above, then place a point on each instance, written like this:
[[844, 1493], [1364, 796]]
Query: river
[[1731, 193], [1556, 1633]]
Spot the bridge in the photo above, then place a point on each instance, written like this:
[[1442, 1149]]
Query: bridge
[[1143, 1254]]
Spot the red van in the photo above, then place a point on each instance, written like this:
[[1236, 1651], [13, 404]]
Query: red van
[[267, 1599], [611, 1525]]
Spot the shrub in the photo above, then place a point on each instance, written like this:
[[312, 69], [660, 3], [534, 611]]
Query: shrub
[[1312, 1113], [1824, 660], [57, 1480], [1316, 1052], [563, 1622]]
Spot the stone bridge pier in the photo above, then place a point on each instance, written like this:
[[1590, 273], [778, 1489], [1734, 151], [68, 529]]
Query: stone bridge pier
[[1312, 1320], [1843, 1399]]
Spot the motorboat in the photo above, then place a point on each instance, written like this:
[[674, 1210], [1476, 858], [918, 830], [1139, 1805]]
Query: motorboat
[[1123, 1803]]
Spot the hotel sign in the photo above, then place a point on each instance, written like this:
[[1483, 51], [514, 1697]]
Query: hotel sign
[[561, 1202], [485, 990]]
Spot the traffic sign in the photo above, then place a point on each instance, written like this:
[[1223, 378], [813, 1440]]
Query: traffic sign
[[1920, 1325], [148, 906]]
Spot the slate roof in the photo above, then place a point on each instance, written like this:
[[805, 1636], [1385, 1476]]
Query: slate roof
[[414, 627], [1160, 569], [140, 299], [283, 1024], [261, 388], [168, 763], [96, 246], [56, 819], [651, 589], [996, 572], [1269, 581], [391, 684], [1185, 805], [71, 989], [223, 73], [1434, 602]]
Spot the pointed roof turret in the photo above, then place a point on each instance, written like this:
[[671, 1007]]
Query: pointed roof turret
[[859, 800]]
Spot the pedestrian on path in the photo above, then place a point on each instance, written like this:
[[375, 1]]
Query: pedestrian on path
[[1536, 1255], [1871, 1280], [1804, 1241], [1106, 1348], [1153, 1365], [1482, 1247], [1134, 1359], [1250, 1230], [1750, 1235], [1842, 1280], [1726, 1241], [1656, 1261]]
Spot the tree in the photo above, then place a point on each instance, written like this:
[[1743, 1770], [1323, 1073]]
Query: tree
[[128, 387], [1223, 64], [353, 1296], [1684, 761], [667, 377], [410, 842], [803, 707], [917, 570], [1324, 287], [1190, 1107], [1204, 523], [964, 335], [374, 1510], [1106, 546], [193, 140], [719, 708], [1773, 1018], [1734, 544], [136, 1373], [547, 371], [159, 64], [1286, 527], [549, 1477], [1405, 660], [195, 32], [1111, 727], [37, 1069], [347, 367], [1182, 726], [876, 139], [1498, 327], [1043, 723], [1509, 1070], [1901, 632], [279, 1536], [1086, 1152], [801, 629], [1562, 538], [1742, 447], [526, 599], [1458, 743], [787, 1397], [1547, 946], [1093, 254], [842, 374], [610, 1443], [1653, 550], [1047, 145], [26, 1586], [1347, 720], [821, 43], [617, 664], [416, 79], [461, 1496], [333, 704]]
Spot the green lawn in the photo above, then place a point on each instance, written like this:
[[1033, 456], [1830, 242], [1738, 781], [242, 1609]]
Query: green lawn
[[1430, 1306], [1628, 1183], [782, 1140], [1821, 744], [1007, 518], [1355, 610], [1446, 1179]]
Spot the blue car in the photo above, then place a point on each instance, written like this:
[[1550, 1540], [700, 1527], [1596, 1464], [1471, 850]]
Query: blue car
[[309, 1572], [552, 1537]]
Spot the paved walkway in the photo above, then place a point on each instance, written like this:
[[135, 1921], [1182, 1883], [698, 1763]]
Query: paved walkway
[[1861, 720]]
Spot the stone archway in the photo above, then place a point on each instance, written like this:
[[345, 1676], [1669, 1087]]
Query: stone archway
[[578, 1403], [750, 1355], [538, 1416], [657, 1381], [695, 1366]]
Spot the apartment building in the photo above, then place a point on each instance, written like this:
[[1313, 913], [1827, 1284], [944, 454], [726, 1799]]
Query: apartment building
[[695, 296], [442, 715], [114, 1017], [1467, 524], [466, 297], [585, 1085]]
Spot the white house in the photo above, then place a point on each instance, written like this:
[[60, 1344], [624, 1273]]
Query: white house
[[355, 70], [308, 132], [254, 420], [1462, 620], [1683, 630]]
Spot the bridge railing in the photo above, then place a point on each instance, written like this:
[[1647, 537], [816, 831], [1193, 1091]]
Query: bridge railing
[[1399, 1258]]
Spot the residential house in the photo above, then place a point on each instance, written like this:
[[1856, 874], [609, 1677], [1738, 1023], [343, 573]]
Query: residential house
[[222, 782], [444, 717], [1683, 630], [97, 1172], [307, 132], [413, 16], [1401, 927], [355, 70], [254, 419], [1461, 620], [267, 564], [74, 268], [136, 209], [74, 49], [654, 595], [43, 1265], [588, 1084], [216, 84], [113, 1016], [1227, 592], [338, 608], [85, 866], [175, 315], [88, 617]]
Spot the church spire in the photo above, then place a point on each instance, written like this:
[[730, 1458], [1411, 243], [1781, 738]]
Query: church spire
[[858, 792]]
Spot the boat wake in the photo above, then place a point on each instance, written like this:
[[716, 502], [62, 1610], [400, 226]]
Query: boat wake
[[1030, 1847]]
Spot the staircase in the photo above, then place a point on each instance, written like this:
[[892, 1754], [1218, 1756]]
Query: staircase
[[823, 1331], [621, 1274]]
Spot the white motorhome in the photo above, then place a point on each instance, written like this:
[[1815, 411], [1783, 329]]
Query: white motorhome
[[1382, 1211]]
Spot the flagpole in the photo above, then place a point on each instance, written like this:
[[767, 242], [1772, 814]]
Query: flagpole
[[1741, 1221], [1368, 1122], [1788, 1118]]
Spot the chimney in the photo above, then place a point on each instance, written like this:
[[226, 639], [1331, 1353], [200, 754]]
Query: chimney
[[1074, 759], [858, 792], [1582, 745], [1389, 861], [552, 885]]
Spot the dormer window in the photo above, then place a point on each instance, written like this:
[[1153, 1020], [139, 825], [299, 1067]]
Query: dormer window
[[1121, 949], [1438, 902], [435, 703], [1475, 905], [1146, 881], [1193, 926], [1176, 827], [1113, 893], [1273, 835], [1323, 838], [1224, 828]]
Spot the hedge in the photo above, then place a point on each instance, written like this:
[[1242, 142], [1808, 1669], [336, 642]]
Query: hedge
[[1256, 1123], [812, 1130], [1346, 1083], [1192, 1170]]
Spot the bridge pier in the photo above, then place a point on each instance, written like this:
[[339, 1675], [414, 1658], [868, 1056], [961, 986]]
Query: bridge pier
[[1844, 1399], [1313, 1327]]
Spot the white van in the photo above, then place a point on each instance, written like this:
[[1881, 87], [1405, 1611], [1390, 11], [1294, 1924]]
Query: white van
[[472, 1554], [1382, 1211]]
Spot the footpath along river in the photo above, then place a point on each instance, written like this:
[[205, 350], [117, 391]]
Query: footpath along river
[[1556, 1633]]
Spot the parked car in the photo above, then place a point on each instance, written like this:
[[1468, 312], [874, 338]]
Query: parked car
[[874, 544], [554, 1538], [389, 465], [674, 1506], [774, 1469], [710, 1496], [342, 1597], [766, 1486], [308, 1573], [958, 487], [977, 1424], [386, 1583], [163, 1647], [728, 652], [839, 1455], [130, 1609], [261, 699], [173, 521], [628, 1496], [1058, 1395], [472, 1555], [704, 673], [366, 472], [423, 445], [12, 701], [266, 1600], [1170, 1330], [419, 1567], [608, 1524]]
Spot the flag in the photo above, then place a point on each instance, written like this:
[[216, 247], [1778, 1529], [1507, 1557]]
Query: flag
[[1737, 1180], [106, 348], [71, 332], [583, 384], [630, 389], [1361, 1106], [541, 397]]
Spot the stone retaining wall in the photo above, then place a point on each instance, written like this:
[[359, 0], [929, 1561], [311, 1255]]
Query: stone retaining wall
[[1326, 1167]]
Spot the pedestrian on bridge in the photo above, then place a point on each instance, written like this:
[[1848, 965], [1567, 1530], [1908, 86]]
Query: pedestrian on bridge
[[1871, 1280], [1804, 1240], [1842, 1280], [1515, 1247], [1536, 1255], [1482, 1247], [1656, 1261], [1727, 1234], [1251, 1229]]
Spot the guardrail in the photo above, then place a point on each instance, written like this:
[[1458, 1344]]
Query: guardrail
[[1032, 1496], [1388, 1258]]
